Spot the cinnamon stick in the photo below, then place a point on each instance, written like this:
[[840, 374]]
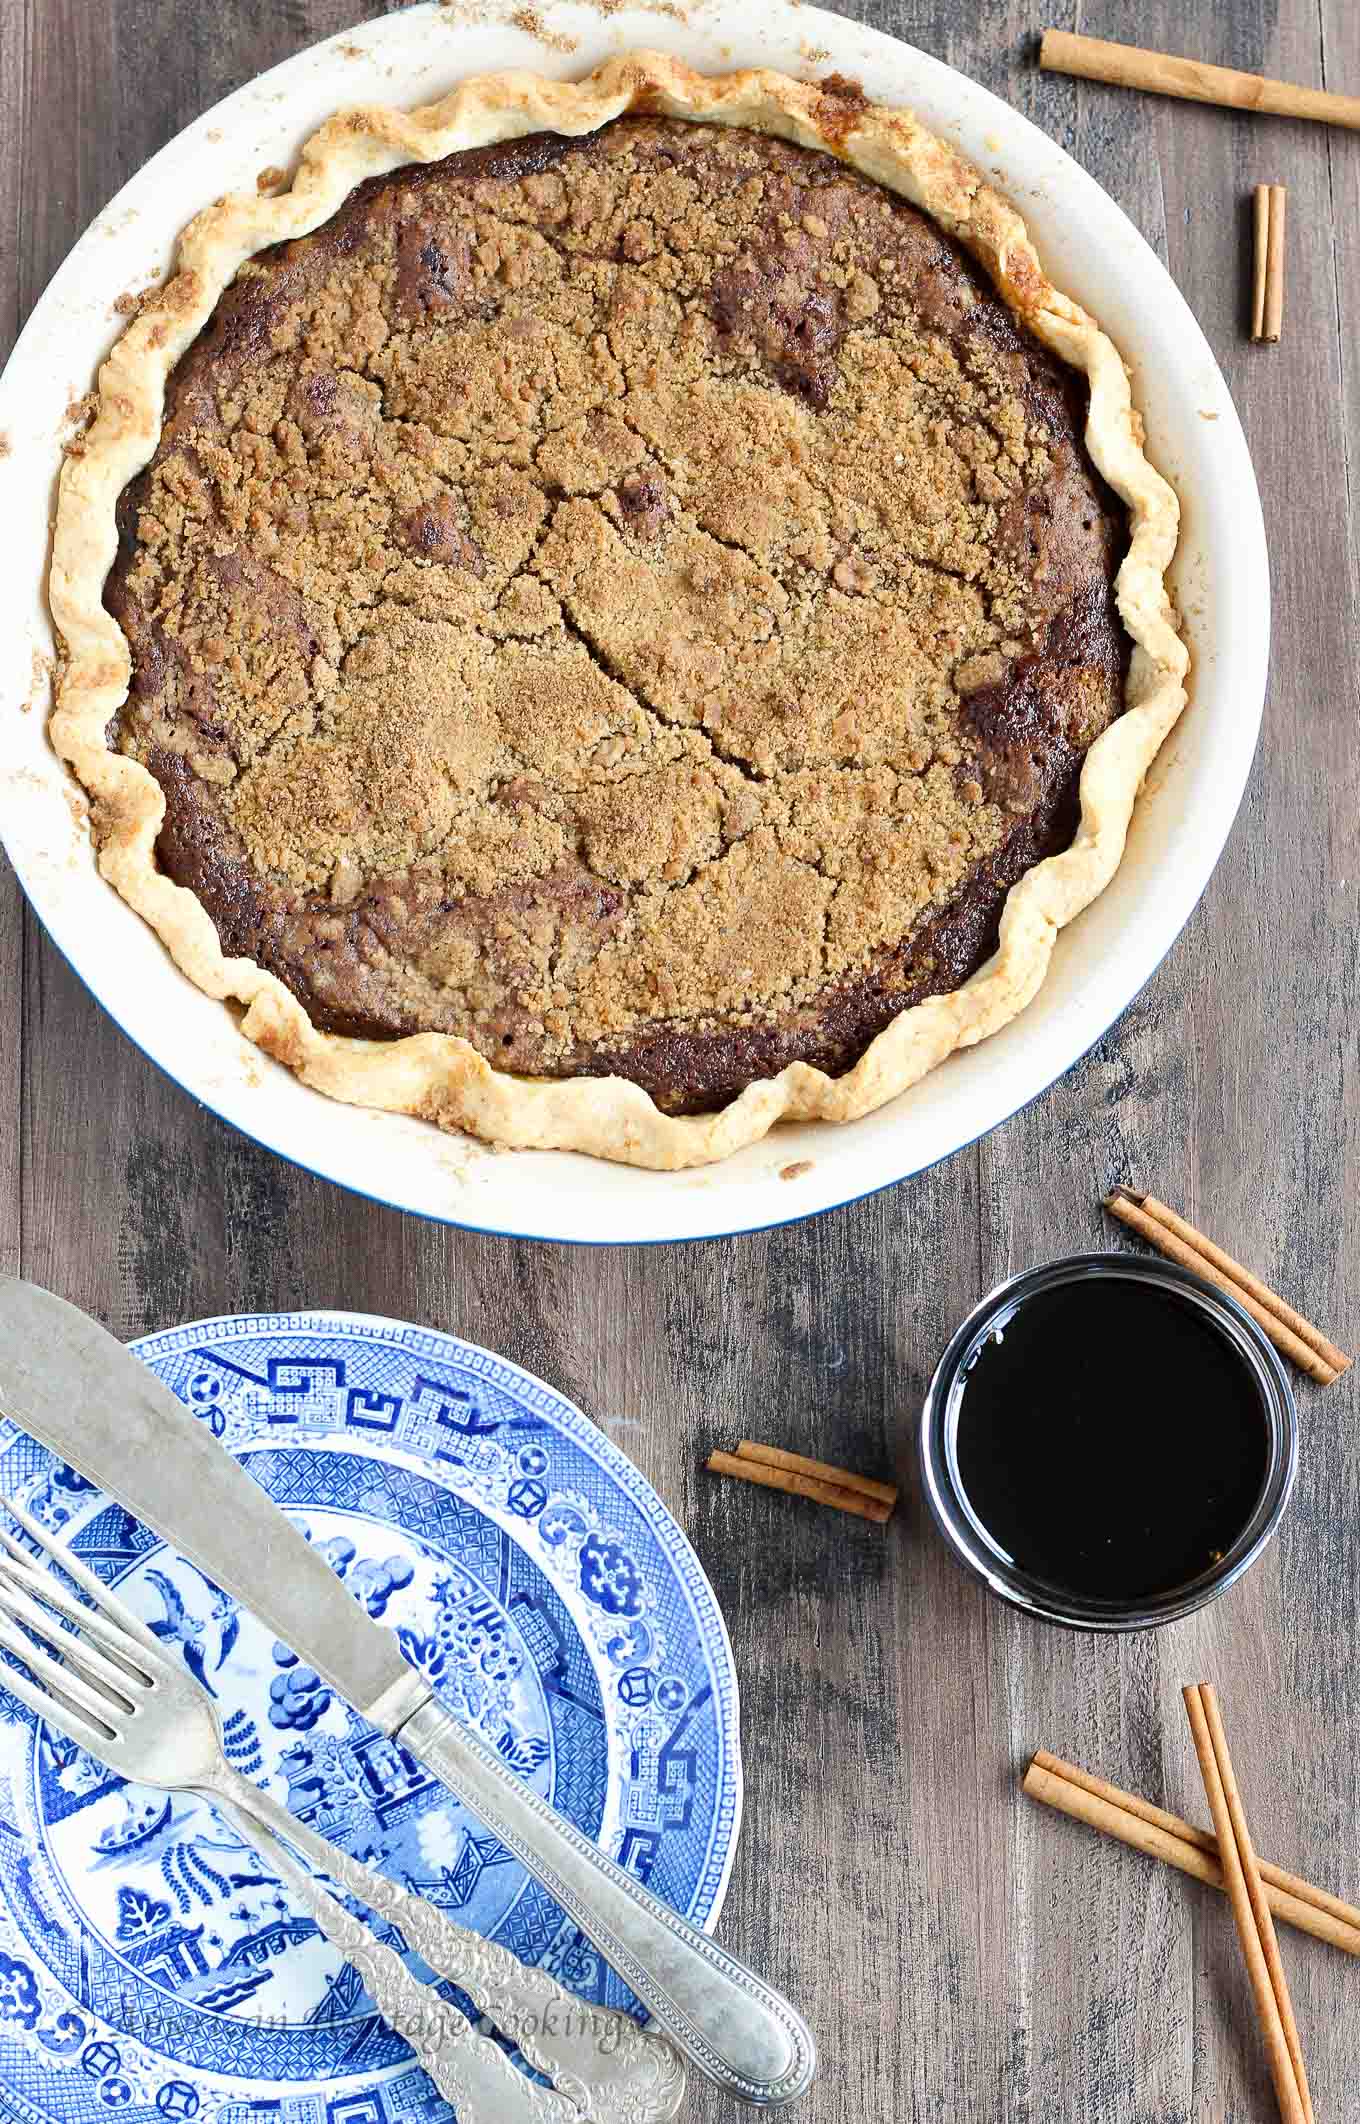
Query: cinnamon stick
[[796, 1485], [820, 1470], [1256, 1890], [1250, 1911], [1164, 74], [1295, 1337], [1260, 228], [1262, 1292], [1267, 306], [1297, 1901]]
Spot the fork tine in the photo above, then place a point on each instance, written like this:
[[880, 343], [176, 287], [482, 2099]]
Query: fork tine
[[43, 1585], [76, 1653], [100, 1710], [58, 1711], [16, 1549], [100, 1596]]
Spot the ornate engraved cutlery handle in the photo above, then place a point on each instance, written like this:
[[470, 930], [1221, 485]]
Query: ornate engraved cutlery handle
[[720, 2014], [616, 2071], [471, 2071]]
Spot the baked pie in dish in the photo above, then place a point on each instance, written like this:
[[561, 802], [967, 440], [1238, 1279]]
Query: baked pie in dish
[[611, 614]]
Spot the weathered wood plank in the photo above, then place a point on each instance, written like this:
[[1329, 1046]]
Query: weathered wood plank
[[11, 1081], [1231, 1086], [13, 68], [1085, 2030]]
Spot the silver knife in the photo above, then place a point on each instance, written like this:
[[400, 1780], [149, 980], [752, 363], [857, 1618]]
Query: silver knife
[[70, 1384]]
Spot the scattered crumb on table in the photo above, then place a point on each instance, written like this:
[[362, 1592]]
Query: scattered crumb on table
[[796, 1170]]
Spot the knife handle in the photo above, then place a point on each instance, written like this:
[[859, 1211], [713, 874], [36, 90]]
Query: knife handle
[[737, 2030]]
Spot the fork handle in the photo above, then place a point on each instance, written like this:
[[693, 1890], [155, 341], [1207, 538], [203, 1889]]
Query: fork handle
[[611, 2068], [469, 2070], [735, 2027]]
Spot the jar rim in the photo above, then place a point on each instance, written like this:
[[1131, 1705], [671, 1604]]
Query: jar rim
[[963, 1531]]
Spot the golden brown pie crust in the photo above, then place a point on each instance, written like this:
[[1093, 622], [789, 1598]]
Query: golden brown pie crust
[[722, 762]]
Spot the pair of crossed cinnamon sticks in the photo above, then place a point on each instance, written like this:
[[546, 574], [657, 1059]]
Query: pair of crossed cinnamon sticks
[[1257, 1891], [774, 1469]]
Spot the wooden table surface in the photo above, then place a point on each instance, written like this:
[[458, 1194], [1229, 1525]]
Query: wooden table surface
[[960, 1952]]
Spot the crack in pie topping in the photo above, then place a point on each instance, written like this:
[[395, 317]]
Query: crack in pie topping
[[637, 602]]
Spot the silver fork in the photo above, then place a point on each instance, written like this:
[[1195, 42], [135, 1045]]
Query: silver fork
[[109, 1685]]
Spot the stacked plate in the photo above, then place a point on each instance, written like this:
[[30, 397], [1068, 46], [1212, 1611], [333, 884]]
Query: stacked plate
[[149, 1964]]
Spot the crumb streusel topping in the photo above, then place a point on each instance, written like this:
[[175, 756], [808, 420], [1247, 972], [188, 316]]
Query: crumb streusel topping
[[637, 603]]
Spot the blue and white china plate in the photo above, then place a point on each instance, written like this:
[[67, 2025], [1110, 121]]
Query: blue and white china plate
[[150, 1967]]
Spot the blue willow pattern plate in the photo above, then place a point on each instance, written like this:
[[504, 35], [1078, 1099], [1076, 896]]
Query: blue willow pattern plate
[[150, 1966]]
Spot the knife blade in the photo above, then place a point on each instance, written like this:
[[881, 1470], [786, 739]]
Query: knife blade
[[73, 1386]]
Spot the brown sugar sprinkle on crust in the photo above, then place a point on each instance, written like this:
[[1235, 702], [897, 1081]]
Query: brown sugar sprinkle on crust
[[637, 602]]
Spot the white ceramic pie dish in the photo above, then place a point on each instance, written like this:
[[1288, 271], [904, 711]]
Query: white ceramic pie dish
[[1102, 959]]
